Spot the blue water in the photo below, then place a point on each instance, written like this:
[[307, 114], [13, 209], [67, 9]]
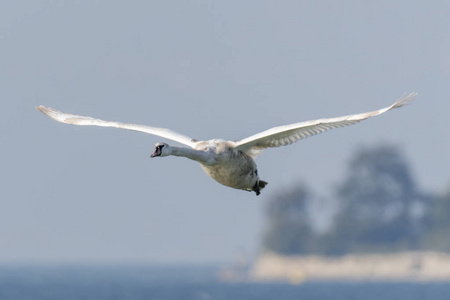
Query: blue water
[[188, 283]]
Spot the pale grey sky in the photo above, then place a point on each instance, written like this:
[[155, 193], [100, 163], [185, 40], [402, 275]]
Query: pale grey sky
[[208, 69]]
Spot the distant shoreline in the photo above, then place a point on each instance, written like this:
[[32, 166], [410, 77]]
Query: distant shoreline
[[423, 266], [401, 266]]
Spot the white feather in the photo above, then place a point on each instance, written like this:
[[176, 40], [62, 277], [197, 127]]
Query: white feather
[[230, 163], [288, 134], [88, 121]]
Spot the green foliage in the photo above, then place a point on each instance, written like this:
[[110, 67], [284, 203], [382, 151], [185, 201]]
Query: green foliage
[[380, 209], [289, 224], [437, 237]]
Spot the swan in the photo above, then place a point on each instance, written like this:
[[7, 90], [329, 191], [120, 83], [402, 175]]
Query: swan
[[231, 163]]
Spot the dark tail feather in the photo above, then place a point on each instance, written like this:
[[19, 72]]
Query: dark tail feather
[[259, 186]]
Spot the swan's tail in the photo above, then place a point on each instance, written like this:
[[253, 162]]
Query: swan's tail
[[259, 186], [262, 184]]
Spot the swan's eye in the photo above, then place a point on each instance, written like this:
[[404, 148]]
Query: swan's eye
[[256, 172]]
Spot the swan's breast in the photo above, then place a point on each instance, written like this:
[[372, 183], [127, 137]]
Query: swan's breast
[[217, 151], [231, 168]]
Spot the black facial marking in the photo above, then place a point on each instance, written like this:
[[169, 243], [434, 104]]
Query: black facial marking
[[158, 151]]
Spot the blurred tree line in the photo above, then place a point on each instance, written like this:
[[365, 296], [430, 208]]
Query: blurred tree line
[[378, 207]]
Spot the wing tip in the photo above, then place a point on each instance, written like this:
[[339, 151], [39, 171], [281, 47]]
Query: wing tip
[[51, 113], [41, 108], [45, 110], [405, 99]]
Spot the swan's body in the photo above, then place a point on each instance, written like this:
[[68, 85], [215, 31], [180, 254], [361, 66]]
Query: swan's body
[[230, 163]]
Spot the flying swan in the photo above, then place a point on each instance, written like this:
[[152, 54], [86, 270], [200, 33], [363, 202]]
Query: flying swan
[[230, 163]]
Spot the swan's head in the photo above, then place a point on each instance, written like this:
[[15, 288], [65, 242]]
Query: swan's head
[[161, 149]]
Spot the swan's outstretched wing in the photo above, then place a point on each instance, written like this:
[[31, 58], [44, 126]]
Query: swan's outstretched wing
[[80, 120], [288, 134]]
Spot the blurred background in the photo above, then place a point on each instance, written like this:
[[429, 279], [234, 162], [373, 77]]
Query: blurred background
[[219, 69]]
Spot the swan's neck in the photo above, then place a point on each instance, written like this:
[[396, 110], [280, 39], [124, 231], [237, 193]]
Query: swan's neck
[[200, 156]]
